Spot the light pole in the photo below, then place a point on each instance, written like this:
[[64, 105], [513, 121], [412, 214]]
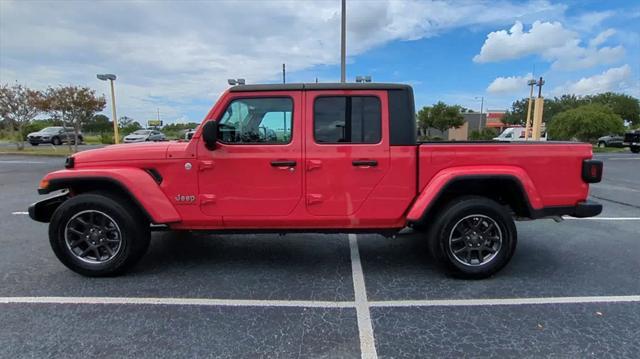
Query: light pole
[[343, 42], [111, 78], [481, 110]]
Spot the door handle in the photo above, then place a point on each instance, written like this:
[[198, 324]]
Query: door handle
[[364, 163], [283, 163]]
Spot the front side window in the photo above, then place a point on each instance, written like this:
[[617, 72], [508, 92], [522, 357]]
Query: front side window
[[257, 120], [347, 119]]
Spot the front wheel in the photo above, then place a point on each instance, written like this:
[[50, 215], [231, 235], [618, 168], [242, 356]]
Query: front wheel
[[602, 144], [94, 235], [635, 149], [473, 237], [56, 141]]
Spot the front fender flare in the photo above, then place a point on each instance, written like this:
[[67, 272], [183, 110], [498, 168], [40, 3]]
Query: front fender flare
[[137, 183], [442, 179]]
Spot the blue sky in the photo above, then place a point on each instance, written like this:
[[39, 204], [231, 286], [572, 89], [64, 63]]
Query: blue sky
[[176, 56]]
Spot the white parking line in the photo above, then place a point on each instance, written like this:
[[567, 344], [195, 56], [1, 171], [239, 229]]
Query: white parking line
[[319, 304], [603, 218], [504, 301], [16, 213], [176, 301], [365, 327], [22, 162]]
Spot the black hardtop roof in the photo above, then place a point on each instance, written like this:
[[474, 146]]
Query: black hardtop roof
[[320, 86]]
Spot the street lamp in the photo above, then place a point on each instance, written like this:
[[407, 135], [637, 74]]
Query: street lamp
[[481, 109], [111, 78]]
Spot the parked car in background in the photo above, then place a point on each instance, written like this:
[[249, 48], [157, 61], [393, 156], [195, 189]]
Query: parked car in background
[[53, 135], [632, 139], [144, 135], [516, 134], [610, 141], [189, 134]]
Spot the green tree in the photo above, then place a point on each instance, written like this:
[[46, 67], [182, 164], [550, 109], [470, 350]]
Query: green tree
[[75, 105], [585, 123], [128, 125], [19, 105], [98, 124], [627, 107], [440, 116]]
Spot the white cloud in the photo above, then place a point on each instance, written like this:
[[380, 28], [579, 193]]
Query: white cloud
[[553, 42], [613, 79], [509, 84], [516, 43], [178, 55]]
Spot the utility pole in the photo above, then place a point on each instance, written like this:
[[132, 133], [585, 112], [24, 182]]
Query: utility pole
[[284, 74], [343, 43], [481, 112], [531, 84], [537, 112]]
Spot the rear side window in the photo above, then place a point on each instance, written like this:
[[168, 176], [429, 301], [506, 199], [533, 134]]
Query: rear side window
[[347, 119]]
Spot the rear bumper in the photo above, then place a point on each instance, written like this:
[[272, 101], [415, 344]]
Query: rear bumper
[[581, 210]]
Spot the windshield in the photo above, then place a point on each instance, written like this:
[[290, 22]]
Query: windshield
[[141, 132], [51, 129]]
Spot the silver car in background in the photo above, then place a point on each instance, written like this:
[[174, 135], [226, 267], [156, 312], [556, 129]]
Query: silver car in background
[[144, 135]]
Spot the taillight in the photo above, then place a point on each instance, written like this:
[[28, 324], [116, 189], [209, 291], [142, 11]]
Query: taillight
[[592, 171]]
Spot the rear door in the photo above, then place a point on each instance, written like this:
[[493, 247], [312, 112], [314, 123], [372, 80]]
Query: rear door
[[346, 147]]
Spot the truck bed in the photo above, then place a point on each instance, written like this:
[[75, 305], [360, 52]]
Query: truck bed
[[554, 168]]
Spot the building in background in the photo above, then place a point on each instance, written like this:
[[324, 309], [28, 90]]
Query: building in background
[[494, 119]]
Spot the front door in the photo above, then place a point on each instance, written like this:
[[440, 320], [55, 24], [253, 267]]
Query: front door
[[256, 168], [347, 149]]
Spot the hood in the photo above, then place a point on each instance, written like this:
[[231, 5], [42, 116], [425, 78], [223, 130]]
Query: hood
[[124, 153], [40, 133], [136, 136]]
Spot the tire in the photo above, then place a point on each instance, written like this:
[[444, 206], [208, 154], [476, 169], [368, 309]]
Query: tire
[[56, 141], [34, 144], [474, 221], [120, 226], [602, 144], [635, 149]]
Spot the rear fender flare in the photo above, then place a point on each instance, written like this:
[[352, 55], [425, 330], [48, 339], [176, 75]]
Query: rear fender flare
[[445, 178]]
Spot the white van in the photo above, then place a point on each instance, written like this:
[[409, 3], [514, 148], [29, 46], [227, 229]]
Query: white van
[[516, 134]]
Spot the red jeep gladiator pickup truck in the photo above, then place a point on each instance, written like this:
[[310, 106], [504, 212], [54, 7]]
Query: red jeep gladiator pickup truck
[[313, 158]]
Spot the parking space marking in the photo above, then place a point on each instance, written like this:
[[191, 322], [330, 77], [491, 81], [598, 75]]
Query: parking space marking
[[22, 162], [504, 301], [603, 218], [16, 213], [318, 304], [365, 327], [177, 301]]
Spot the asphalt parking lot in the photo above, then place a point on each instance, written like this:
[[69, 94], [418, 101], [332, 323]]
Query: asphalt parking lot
[[572, 290]]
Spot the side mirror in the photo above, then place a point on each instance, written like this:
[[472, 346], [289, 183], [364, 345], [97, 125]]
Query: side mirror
[[210, 134]]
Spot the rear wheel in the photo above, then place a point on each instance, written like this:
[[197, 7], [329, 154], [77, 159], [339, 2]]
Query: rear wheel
[[473, 237], [95, 235], [602, 144], [34, 144], [635, 149]]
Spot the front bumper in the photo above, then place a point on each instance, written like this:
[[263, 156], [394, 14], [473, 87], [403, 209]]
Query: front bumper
[[42, 211]]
